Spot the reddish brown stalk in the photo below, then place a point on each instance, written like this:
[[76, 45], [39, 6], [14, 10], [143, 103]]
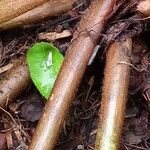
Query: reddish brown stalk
[[15, 81], [72, 70], [48, 9], [10, 9], [144, 7], [114, 95]]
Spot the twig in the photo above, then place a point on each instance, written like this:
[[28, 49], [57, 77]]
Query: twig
[[91, 82], [126, 63], [135, 146], [5, 68], [8, 115]]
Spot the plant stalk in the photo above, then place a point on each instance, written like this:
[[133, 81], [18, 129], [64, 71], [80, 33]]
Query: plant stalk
[[15, 81], [47, 9], [10, 9], [70, 75], [114, 95], [144, 7]]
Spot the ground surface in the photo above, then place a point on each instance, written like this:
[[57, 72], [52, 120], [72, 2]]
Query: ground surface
[[79, 129]]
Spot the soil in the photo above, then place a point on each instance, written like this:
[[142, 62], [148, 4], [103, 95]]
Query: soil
[[19, 120]]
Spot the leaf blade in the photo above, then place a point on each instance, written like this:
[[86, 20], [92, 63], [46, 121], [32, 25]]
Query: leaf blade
[[44, 62]]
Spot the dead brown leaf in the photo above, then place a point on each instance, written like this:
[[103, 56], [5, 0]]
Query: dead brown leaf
[[52, 36]]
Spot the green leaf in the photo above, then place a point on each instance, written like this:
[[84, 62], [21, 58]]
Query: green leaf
[[44, 62]]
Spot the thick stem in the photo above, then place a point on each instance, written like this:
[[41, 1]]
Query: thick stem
[[48, 9], [10, 9], [144, 7], [72, 70], [114, 95], [15, 81]]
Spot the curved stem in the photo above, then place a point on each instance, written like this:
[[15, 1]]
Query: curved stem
[[48, 9], [10, 9], [15, 81]]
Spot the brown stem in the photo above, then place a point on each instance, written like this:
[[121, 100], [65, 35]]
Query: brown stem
[[15, 81], [114, 95], [10, 9], [144, 7], [48, 9], [72, 70]]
